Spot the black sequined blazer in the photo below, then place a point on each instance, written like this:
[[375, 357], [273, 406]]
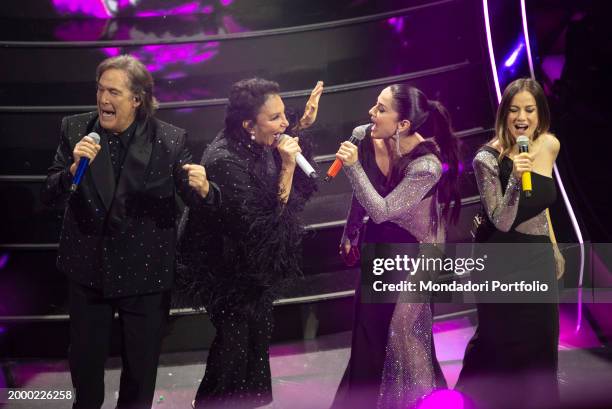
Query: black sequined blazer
[[120, 236]]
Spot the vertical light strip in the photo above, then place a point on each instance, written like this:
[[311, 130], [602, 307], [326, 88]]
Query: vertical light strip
[[526, 34], [568, 205], [580, 241], [485, 7]]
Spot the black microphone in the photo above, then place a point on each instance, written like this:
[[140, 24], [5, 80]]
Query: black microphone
[[523, 145], [358, 134], [83, 165]]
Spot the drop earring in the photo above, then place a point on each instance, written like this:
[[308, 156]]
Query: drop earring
[[397, 142], [252, 135]]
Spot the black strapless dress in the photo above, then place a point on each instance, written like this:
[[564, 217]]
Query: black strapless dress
[[511, 361]]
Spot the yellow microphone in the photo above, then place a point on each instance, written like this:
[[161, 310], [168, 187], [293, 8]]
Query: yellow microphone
[[523, 145]]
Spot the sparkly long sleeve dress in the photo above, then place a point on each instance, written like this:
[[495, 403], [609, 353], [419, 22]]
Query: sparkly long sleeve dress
[[511, 361], [237, 259], [392, 362]]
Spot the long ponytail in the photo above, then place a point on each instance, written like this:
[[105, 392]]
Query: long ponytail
[[412, 104], [449, 151]]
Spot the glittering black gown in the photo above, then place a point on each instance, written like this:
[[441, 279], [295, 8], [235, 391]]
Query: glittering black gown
[[237, 258], [365, 383], [511, 361]]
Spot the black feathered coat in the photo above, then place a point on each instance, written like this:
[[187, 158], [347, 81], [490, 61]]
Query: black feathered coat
[[242, 253]]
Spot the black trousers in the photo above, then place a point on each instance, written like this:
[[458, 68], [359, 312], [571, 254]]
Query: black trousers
[[238, 367], [142, 319]]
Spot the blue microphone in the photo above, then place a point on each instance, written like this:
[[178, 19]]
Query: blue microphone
[[83, 165]]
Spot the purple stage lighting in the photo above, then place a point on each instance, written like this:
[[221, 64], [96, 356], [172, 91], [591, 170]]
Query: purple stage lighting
[[397, 23], [189, 8], [444, 398], [94, 8], [446, 167], [112, 51], [106, 9], [4, 258], [510, 61], [568, 204], [159, 57], [485, 7]]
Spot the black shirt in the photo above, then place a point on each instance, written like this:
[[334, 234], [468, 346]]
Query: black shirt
[[118, 145]]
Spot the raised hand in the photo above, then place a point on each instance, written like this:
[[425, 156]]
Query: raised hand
[[312, 106], [350, 254]]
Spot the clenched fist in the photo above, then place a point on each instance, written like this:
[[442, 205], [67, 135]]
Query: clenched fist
[[197, 178], [288, 148], [347, 153], [85, 148], [523, 162]]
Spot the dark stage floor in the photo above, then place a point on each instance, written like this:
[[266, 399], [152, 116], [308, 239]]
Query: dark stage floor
[[307, 373]]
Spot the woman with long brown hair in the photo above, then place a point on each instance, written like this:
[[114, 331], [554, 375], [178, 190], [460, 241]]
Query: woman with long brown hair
[[515, 345], [406, 184]]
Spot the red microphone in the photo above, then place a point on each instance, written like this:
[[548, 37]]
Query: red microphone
[[358, 134]]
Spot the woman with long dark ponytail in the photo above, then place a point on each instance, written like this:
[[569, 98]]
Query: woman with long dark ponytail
[[406, 184]]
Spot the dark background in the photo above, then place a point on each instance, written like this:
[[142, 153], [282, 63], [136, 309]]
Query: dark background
[[196, 49]]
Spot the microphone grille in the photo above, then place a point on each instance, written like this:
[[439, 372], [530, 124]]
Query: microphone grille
[[360, 131], [94, 136], [522, 141]]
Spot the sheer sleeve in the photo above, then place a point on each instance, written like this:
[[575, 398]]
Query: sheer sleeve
[[501, 207], [420, 176]]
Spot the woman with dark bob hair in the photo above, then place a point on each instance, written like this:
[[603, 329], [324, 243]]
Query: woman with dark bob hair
[[239, 256], [405, 183], [511, 360]]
